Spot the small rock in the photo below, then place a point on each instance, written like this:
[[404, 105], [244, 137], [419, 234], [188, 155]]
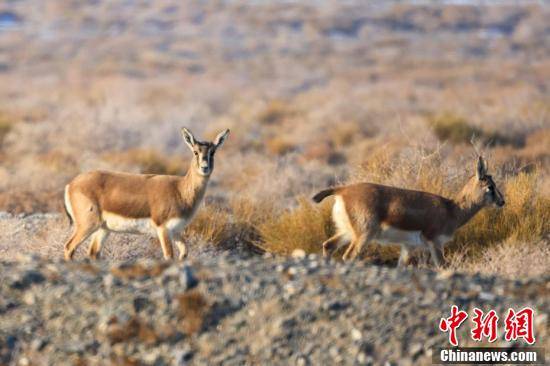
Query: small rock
[[29, 298], [302, 360], [292, 271], [298, 254], [486, 296], [27, 279], [415, 350], [356, 334], [187, 278], [109, 281], [38, 344], [140, 303], [182, 357]]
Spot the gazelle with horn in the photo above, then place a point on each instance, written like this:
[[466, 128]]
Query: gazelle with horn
[[100, 202], [367, 212]]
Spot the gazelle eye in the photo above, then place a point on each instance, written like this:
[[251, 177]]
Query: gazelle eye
[[196, 153]]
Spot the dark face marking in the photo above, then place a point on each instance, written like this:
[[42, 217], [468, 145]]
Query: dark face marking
[[492, 194], [204, 157]]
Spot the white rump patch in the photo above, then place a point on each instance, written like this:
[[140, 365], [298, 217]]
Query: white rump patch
[[341, 218]]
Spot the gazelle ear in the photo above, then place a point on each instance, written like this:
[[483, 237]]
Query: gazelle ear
[[481, 169], [221, 138], [188, 137]]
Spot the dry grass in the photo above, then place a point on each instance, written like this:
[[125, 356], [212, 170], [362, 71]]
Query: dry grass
[[524, 218], [455, 129], [6, 124], [274, 112], [148, 161], [305, 108], [304, 227], [511, 259], [279, 145], [213, 225]]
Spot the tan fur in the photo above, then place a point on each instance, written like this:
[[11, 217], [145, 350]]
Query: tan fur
[[100, 202], [366, 211]]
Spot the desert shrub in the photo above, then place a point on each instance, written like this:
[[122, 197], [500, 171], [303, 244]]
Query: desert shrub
[[27, 201], [6, 124], [512, 259], [149, 161], [455, 129], [279, 145], [305, 227], [274, 112], [524, 218], [228, 225], [344, 133], [59, 161], [411, 168], [212, 224]]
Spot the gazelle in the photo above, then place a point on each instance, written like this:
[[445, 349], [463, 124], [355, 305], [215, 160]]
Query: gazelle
[[101, 202], [389, 215]]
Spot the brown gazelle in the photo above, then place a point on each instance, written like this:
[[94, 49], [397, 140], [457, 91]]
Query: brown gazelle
[[100, 202], [367, 212]]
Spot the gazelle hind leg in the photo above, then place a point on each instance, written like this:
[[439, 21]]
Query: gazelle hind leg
[[358, 245], [165, 242], [182, 249], [79, 236], [98, 238], [86, 218], [333, 243], [436, 253]]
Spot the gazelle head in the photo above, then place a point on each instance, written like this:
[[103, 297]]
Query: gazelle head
[[484, 190], [203, 151]]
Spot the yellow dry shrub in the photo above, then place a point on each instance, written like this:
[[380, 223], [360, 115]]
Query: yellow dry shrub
[[149, 161], [305, 227], [212, 224], [274, 112], [525, 217]]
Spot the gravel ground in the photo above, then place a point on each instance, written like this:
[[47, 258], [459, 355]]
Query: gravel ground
[[240, 310]]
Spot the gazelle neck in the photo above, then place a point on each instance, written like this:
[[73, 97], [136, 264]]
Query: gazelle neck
[[466, 206], [193, 183]]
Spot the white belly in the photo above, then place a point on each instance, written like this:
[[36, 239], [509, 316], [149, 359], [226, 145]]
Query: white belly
[[390, 235], [123, 224], [176, 225]]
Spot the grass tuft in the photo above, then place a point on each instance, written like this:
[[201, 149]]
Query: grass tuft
[[274, 112], [455, 129], [6, 125], [525, 217], [149, 161], [305, 227]]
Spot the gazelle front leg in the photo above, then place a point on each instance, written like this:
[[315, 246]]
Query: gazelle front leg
[[182, 248], [436, 252], [404, 256], [165, 242], [98, 238]]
